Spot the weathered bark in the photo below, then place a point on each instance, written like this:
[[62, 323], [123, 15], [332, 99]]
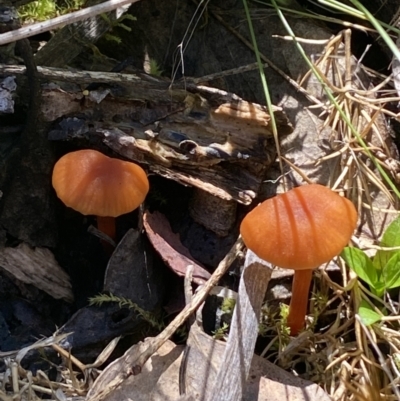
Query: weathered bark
[[198, 136]]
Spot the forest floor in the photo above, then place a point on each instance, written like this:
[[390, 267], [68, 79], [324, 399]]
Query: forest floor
[[337, 124]]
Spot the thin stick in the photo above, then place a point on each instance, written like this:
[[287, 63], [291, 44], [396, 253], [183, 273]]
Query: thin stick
[[68, 356], [222, 74], [80, 77], [58, 22]]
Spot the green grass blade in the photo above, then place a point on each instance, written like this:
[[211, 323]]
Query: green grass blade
[[378, 26], [264, 83]]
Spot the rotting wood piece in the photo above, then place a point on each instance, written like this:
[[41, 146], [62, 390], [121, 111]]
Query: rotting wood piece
[[215, 214], [198, 136], [37, 266]]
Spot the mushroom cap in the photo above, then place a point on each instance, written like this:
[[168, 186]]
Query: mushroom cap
[[300, 229], [92, 183]]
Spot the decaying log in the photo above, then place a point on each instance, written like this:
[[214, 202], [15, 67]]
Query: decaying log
[[196, 135]]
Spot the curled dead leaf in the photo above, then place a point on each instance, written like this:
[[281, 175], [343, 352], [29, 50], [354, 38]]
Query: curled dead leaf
[[170, 248]]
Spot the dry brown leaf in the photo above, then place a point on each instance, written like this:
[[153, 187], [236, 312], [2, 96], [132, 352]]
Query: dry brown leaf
[[170, 248]]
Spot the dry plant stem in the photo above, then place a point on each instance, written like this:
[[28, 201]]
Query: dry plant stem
[[188, 291], [14, 374], [382, 363], [235, 366], [58, 22], [299, 301], [79, 77], [68, 356], [222, 74]]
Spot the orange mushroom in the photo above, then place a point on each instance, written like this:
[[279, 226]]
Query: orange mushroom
[[300, 229], [92, 183]]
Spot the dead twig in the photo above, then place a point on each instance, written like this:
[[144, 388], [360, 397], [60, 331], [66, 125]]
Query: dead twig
[[58, 22]]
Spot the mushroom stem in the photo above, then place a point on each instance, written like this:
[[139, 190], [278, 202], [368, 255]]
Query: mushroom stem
[[298, 304], [107, 226]]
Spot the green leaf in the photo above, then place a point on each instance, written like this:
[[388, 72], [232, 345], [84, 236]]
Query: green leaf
[[391, 272], [379, 289], [361, 264], [367, 314], [390, 238]]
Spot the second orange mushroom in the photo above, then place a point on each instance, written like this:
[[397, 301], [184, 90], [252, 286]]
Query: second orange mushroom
[[300, 229]]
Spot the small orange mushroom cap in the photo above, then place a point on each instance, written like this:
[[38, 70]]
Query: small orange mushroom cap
[[300, 229], [92, 183]]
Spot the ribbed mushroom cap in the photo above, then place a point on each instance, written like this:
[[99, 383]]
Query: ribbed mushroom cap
[[93, 183], [301, 229]]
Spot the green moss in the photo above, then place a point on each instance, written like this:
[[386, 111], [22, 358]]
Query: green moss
[[39, 10], [228, 305], [42, 10]]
